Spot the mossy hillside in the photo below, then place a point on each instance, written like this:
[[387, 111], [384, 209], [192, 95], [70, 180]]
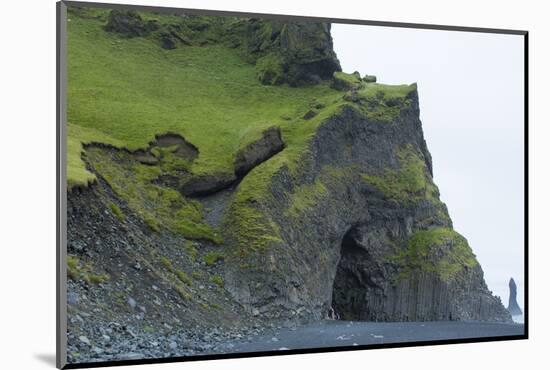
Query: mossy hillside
[[183, 29], [169, 161], [158, 206], [388, 93], [77, 136], [442, 251], [129, 90], [249, 222], [410, 183]]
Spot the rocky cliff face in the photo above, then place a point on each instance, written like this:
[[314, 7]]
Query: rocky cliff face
[[334, 207], [358, 226], [293, 52]]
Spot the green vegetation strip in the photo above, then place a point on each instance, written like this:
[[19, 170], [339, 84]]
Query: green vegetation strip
[[442, 251], [410, 183], [158, 206], [76, 270]]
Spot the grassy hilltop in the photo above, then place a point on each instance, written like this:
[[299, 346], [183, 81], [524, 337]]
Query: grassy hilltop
[[220, 83], [123, 91]]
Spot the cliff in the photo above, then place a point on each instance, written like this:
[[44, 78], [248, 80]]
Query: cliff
[[235, 177], [358, 225]]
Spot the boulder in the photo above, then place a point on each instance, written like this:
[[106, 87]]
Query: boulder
[[369, 79], [309, 114], [129, 23], [167, 41], [255, 152], [202, 185], [345, 81]]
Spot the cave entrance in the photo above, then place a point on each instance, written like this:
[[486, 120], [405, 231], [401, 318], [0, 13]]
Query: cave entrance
[[350, 283]]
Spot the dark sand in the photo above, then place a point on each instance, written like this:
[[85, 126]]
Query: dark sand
[[349, 333]]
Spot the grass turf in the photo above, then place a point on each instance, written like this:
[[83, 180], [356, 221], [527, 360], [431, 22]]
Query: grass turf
[[124, 91]]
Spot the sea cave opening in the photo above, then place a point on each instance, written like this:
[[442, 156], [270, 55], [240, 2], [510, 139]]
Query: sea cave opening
[[351, 280]]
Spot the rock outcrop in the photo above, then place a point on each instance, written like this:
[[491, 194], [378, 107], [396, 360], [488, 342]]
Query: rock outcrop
[[257, 151], [128, 23], [359, 227], [513, 306], [297, 53], [333, 210]]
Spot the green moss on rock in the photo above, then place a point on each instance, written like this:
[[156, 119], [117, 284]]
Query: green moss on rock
[[382, 103], [211, 258], [76, 270], [270, 69], [167, 263], [217, 279], [345, 81], [298, 53], [191, 250], [251, 229], [129, 23], [117, 212], [410, 183], [306, 196], [183, 277], [158, 206], [442, 251], [369, 79]]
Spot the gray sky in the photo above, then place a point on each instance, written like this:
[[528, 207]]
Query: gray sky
[[471, 105]]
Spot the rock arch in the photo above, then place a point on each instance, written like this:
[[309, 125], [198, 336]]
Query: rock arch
[[326, 231]]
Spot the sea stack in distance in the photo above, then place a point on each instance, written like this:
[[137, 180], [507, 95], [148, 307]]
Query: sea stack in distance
[[513, 306]]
